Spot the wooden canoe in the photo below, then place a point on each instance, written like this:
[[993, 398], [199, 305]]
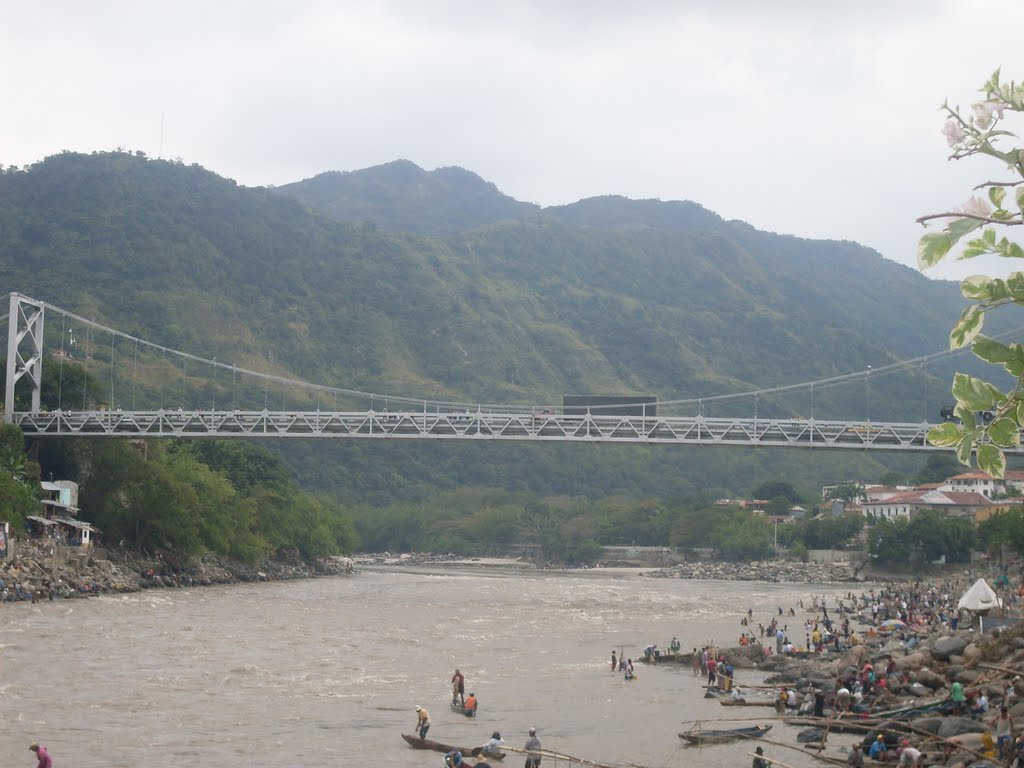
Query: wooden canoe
[[745, 703], [417, 743], [463, 711], [716, 736]]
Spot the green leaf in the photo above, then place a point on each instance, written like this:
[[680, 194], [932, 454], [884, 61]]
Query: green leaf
[[931, 248], [976, 287], [1019, 194], [1020, 411], [1009, 249], [1004, 432], [975, 394], [1015, 284], [957, 228], [963, 450], [974, 248], [945, 434], [967, 327], [996, 195], [992, 351], [991, 460], [966, 416]]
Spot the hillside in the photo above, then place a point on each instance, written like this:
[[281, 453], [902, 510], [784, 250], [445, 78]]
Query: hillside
[[402, 197], [503, 302]]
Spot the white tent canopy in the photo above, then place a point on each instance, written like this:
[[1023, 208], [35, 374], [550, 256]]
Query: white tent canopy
[[980, 597]]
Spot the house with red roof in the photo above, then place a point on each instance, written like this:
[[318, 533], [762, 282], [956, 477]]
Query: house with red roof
[[954, 503], [983, 483]]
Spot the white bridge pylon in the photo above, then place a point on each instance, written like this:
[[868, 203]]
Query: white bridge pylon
[[124, 387]]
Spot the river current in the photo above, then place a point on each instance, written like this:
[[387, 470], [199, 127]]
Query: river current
[[327, 672]]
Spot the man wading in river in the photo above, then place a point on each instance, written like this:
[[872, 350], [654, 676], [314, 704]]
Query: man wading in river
[[532, 743]]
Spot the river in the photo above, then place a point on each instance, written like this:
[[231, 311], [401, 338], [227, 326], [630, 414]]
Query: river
[[327, 672]]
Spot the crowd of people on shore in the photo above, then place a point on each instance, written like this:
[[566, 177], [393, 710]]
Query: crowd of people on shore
[[904, 663]]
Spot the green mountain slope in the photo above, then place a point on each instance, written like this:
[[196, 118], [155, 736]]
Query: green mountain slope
[[402, 197], [503, 303]]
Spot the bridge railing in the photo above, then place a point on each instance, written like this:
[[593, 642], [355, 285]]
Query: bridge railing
[[521, 425]]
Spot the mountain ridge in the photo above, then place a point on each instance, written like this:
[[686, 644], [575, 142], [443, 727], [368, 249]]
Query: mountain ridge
[[603, 296]]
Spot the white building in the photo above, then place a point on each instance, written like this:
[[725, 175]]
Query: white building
[[985, 484], [953, 503]]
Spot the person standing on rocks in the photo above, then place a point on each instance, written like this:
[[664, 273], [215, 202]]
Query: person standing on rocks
[[1003, 725]]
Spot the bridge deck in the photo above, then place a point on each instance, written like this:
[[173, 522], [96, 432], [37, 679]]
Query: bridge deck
[[686, 430]]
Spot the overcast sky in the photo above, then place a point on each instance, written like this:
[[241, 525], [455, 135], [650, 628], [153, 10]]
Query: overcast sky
[[816, 118]]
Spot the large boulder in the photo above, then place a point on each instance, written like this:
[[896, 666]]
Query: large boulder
[[966, 676], [928, 678], [972, 651], [947, 646], [810, 735], [957, 726], [929, 724], [914, 660]]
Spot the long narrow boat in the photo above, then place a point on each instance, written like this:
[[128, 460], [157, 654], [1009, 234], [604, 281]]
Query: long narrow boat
[[716, 736], [463, 710], [417, 743]]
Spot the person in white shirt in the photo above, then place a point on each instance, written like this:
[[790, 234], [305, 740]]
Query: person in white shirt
[[910, 756], [493, 744]]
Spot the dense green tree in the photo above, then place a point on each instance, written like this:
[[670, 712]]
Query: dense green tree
[[937, 468], [744, 539], [772, 489], [1003, 528], [927, 536], [829, 531], [888, 543], [850, 491], [19, 478]]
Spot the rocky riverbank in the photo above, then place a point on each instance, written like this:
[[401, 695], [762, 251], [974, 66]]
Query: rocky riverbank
[[765, 570], [44, 572], [926, 688]]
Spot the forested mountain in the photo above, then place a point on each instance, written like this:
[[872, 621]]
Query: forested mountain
[[437, 285], [402, 197]]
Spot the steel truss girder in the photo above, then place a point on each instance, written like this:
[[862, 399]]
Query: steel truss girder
[[669, 430]]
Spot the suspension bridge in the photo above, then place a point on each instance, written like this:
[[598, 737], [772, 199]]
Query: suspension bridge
[[105, 383]]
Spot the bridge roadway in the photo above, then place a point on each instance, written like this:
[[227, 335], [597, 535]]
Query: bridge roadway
[[480, 425]]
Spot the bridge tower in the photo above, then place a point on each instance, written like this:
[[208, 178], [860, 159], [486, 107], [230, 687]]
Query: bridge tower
[[24, 350]]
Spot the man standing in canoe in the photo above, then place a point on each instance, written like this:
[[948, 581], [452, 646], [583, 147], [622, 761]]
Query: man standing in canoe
[[459, 688], [422, 721]]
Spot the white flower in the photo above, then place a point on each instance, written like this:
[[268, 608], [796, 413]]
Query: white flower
[[953, 132], [977, 206], [984, 111]]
